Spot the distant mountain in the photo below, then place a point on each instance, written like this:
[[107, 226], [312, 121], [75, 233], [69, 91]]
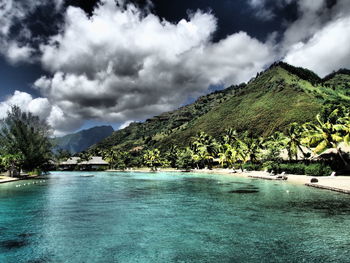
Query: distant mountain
[[272, 100], [82, 140]]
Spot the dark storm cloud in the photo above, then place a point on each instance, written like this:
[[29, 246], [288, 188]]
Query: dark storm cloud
[[21, 28]]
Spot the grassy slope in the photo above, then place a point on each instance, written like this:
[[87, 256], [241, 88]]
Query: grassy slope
[[270, 102], [161, 126]]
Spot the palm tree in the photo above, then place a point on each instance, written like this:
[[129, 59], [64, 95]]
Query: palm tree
[[152, 159], [172, 155], [227, 155], [328, 132], [230, 136], [345, 127], [185, 159], [111, 156], [253, 146], [274, 144], [294, 138], [242, 153], [205, 149]]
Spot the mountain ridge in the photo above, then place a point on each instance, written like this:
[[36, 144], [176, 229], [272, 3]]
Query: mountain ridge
[[82, 140], [268, 102]]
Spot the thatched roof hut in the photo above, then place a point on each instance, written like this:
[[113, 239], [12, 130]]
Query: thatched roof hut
[[95, 160]]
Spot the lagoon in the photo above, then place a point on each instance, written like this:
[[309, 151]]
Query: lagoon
[[170, 217]]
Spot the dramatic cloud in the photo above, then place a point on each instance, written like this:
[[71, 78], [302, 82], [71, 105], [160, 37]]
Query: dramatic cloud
[[41, 107], [14, 39], [319, 39], [313, 15], [266, 9], [121, 64], [16, 53], [319, 53]]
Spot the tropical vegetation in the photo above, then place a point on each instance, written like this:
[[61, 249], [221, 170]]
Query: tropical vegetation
[[284, 119], [24, 142], [302, 143]]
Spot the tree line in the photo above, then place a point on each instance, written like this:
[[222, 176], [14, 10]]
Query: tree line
[[300, 142], [25, 145]]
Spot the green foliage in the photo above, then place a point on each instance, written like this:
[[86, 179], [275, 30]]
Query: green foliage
[[185, 159], [253, 147], [62, 155], [152, 159], [318, 169], [302, 73], [172, 156], [330, 130], [227, 155], [293, 140], [274, 145], [291, 168], [24, 134], [35, 172], [205, 148], [12, 163], [252, 166], [265, 105], [313, 169], [100, 169]]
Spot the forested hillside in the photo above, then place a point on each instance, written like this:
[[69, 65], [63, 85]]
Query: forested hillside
[[272, 100]]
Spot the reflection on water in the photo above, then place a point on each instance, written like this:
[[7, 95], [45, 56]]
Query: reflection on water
[[168, 217]]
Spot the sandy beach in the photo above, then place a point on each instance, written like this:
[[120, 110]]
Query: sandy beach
[[333, 183], [6, 179]]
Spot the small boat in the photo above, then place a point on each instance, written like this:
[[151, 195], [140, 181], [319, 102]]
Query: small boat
[[87, 175]]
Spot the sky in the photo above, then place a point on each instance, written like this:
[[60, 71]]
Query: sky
[[81, 63]]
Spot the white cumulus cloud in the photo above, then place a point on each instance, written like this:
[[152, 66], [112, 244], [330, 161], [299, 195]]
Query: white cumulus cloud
[[38, 106], [319, 53], [123, 64], [319, 39], [41, 107]]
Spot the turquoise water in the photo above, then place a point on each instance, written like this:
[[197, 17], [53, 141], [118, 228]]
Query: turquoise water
[[170, 217]]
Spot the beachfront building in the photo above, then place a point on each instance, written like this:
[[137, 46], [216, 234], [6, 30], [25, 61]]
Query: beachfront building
[[95, 163], [75, 163]]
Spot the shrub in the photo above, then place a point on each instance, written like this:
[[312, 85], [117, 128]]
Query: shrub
[[252, 167], [318, 169], [293, 168], [35, 172], [314, 169], [271, 166]]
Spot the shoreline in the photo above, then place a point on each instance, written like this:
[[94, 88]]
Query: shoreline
[[7, 179], [340, 184]]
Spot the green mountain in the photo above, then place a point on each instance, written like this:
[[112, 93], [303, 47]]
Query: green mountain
[[80, 141], [269, 102]]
